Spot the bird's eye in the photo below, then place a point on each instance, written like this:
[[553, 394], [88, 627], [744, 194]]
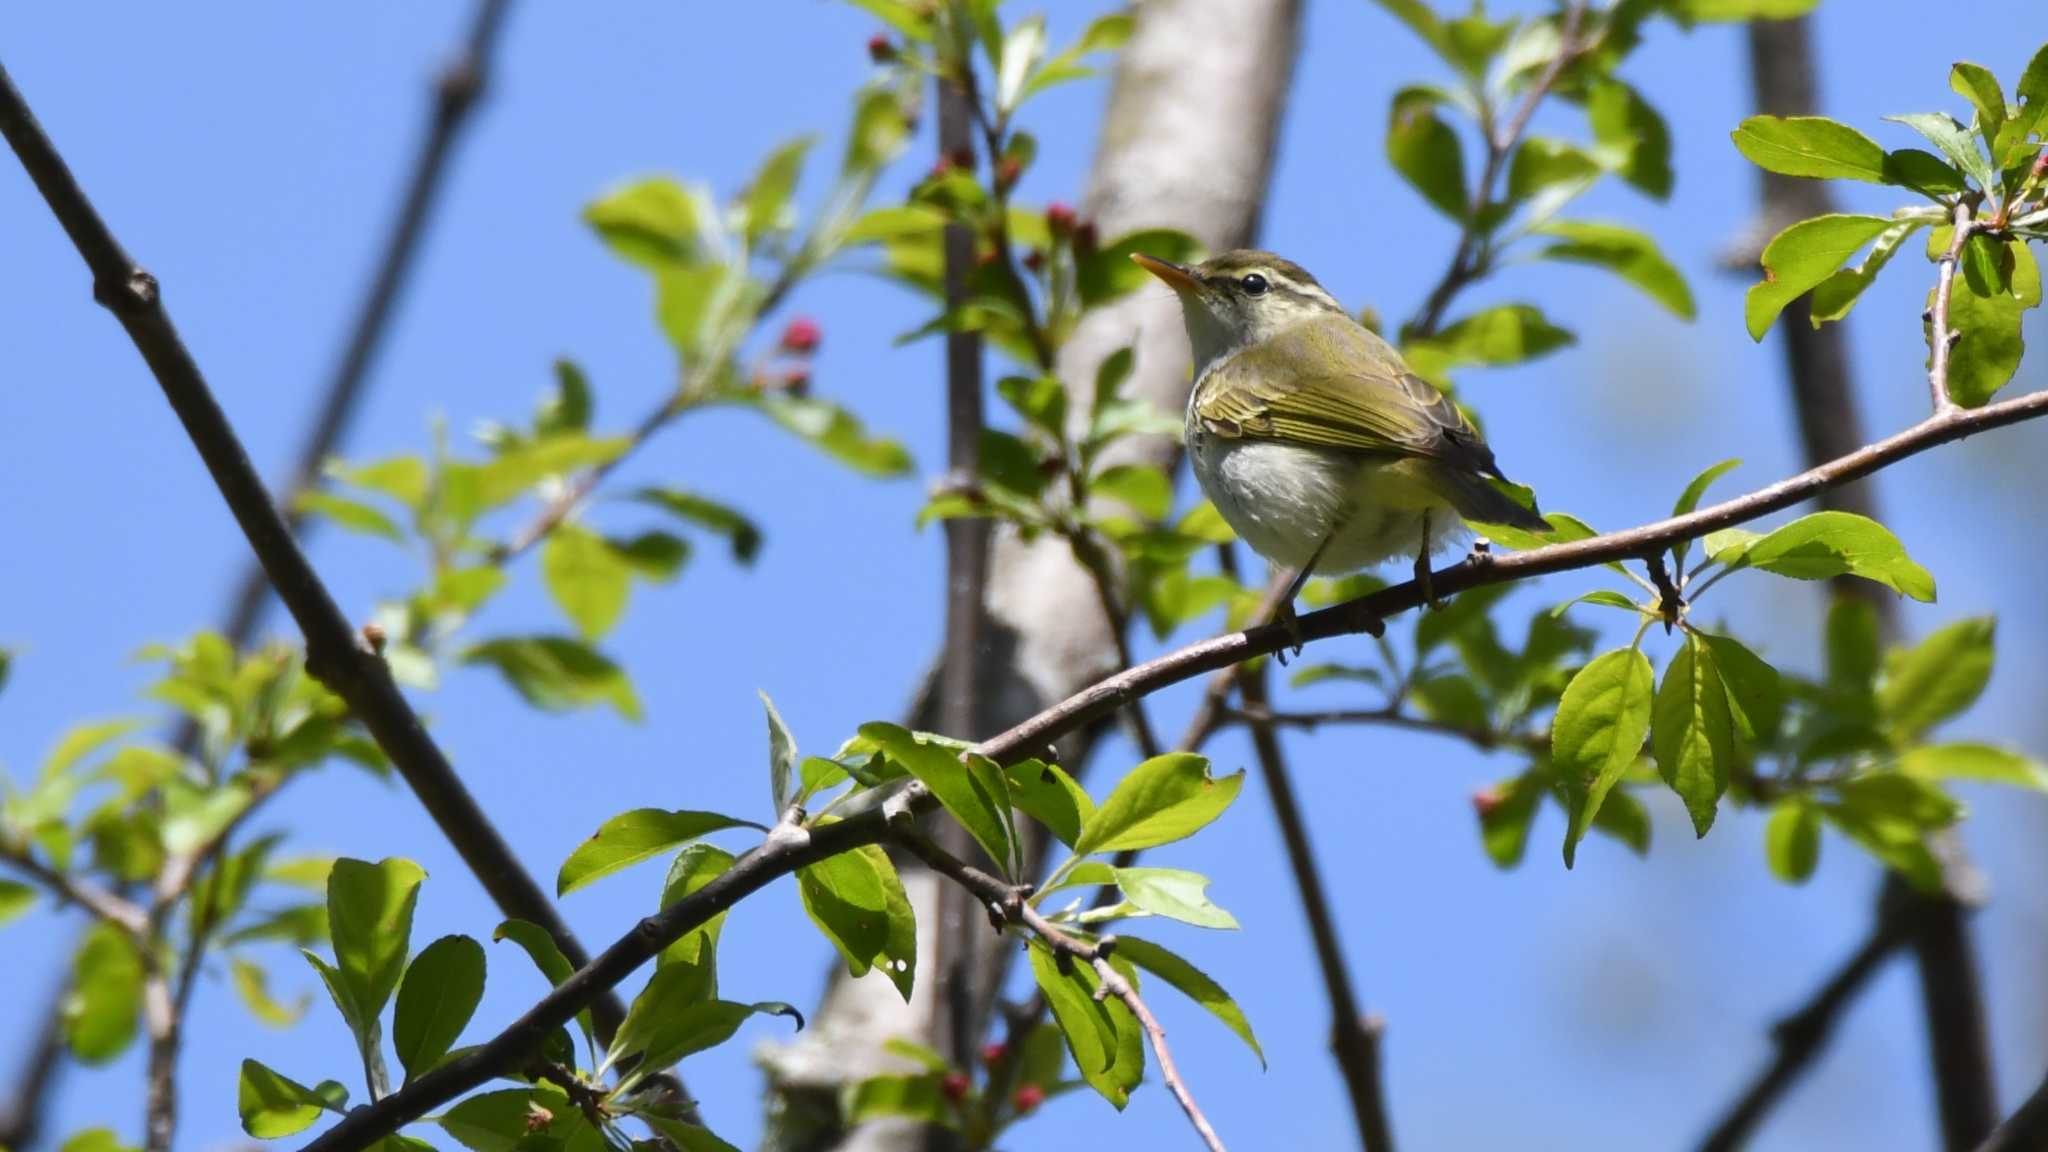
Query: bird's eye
[[1253, 285]]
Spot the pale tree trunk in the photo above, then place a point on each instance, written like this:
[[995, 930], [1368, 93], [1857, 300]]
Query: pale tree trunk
[[1187, 142]]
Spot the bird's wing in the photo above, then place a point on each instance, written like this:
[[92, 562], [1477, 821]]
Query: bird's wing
[[1375, 405]]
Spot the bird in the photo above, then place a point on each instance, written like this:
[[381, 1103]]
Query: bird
[[1313, 438]]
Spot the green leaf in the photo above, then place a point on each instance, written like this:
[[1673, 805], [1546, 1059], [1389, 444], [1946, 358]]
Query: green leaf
[[348, 514], [1144, 488], [1935, 679], [104, 1003], [1630, 137], [765, 205], [566, 409], [1508, 334], [1989, 319], [1175, 894], [1426, 152], [1624, 251], [16, 898], [1624, 818], [253, 986], [1047, 794], [1925, 173], [1811, 146], [274, 1106], [1713, 11], [1894, 796], [836, 432], [857, 900], [1542, 164], [687, 1137], [781, 754], [1023, 48], [558, 673], [587, 579], [1109, 273], [402, 478], [1605, 597], [496, 1121], [546, 954], [1954, 142], [1800, 258], [1693, 732], [369, 917], [630, 837], [655, 556], [1690, 499], [441, 990], [694, 867], [1834, 296], [1164, 799], [650, 222], [1040, 400], [666, 1022], [1192, 983], [1828, 544], [709, 515], [916, 1097], [1792, 841], [1082, 1019], [1755, 690], [1505, 811], [1975, 83], [2031, 118], [1598, 732], [971, 788], [1981, 762]]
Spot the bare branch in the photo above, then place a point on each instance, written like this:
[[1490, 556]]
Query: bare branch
[[2025, 1130], [1941, 339], [335, 653], [116, 910], [1354, 1037]]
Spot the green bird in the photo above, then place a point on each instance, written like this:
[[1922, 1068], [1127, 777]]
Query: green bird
[[1310, 434]]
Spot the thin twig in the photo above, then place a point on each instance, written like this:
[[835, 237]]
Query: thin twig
[[131, 918], [1941, 339], [1470, 259], [335, 654], [1800, 1037], [1483, 739], [1354, 1037], [1008, 902]]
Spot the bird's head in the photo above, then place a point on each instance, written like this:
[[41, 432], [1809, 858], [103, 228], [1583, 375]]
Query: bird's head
[[1240, 298]]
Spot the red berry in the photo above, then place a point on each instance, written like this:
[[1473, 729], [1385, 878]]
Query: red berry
[[992, 1054], [1486, 801], [880, 50], [955, 1086], [1008, 171], [1034, 260], [1059, 217], [802, 336], [1028, 1098]]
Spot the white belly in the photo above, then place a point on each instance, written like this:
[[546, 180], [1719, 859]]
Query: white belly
[[1285, 500]]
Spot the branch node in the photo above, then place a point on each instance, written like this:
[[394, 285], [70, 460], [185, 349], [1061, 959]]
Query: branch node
[[134, 293]]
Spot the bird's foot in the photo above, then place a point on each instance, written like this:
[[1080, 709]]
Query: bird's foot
[[1285, 617], [1422, 577]]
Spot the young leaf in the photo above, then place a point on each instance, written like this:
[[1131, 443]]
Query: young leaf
[[857, 900], [1989, 318], [1083, 1020], [1811, 146], [1935, 679], [1175, 894], [558, 673], [1505, 811], [1598, 732], [105, 1000], [440, 992], [709, 515], [1164, 799], [1828, 544], [972, 788], [273, 1106], [660, 1030], [1792, 841], [1192, 983], [1690, 499], [766, 203], [546, 955], [1625, 252], [369, 915], [1980, 762], [836, 432], [1630, 137], [351, 515], [252, 984], [1508, 334], [1755, 690], [1692, 733], [1834, 296], [781, 754], [649, 222], [630, 837], [1801, 257], [694, 867], [16, 898], [1954, 141], [1048, 795], [587, 579], [568, 407], [1424, 150], [1975, 83]]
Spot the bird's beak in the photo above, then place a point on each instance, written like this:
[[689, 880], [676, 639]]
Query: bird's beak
[[1178, 277]]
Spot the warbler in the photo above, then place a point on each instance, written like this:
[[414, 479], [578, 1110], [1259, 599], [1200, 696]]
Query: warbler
[[1310, 434]]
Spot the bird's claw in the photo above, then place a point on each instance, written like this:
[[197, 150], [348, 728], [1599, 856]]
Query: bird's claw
[[1287, 619]]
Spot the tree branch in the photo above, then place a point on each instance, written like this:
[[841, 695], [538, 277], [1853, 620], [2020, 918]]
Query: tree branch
[[1941, 339], [1008, 902], [335, 653], [2025, 1130], [116, 910], [1355, 1038]]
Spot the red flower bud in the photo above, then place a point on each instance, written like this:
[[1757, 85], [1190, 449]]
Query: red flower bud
[[962, 158], [802, 336], [1034, 260], [1059, 217], [1008, 171], [1486, 801], [992, 1054], [1028, 1098], [880, 50], [955, 1086]]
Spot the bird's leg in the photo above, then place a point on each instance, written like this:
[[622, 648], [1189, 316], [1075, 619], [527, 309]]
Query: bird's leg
[[1422, 568], [1283, 611]]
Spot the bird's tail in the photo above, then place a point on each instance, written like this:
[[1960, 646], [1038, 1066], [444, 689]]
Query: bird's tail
[[1477, 499]]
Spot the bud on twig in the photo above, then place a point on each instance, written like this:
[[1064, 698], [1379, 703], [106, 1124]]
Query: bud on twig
[[802, 336], [880, 50]]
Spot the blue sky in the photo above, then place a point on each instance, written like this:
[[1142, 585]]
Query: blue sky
[[249, 156]]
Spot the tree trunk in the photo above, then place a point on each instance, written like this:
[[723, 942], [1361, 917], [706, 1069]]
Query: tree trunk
[[1187, 142]]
